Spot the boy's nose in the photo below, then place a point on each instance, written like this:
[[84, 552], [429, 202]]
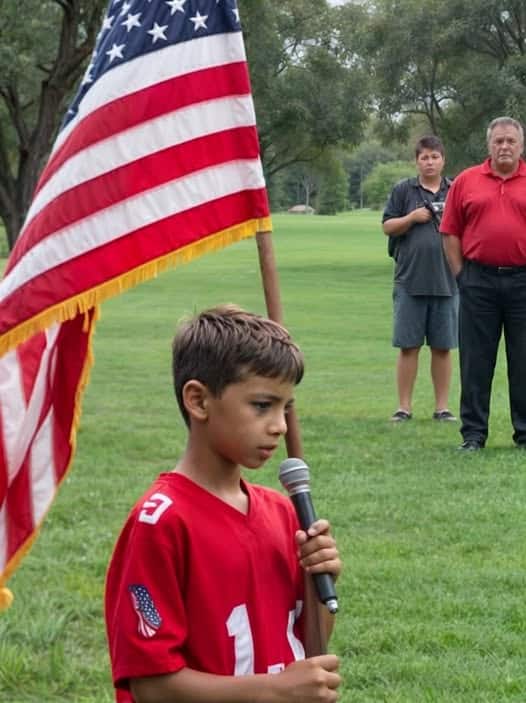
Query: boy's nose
[[279, 424]]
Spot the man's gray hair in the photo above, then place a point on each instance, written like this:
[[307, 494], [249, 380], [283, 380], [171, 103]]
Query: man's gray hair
[[506, 121]]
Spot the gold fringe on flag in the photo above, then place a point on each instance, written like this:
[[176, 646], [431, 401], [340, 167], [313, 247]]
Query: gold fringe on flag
[[81, 303]]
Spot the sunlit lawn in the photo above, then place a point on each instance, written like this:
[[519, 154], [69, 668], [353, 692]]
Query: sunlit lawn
[[433, 593]]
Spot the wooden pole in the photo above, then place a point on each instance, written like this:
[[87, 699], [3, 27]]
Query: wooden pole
[[315, 639], [269, 277]]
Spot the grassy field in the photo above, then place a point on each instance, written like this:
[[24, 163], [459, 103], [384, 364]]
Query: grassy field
[[433, 593]]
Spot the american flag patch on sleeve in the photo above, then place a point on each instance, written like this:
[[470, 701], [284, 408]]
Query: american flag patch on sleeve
[[149, 619]]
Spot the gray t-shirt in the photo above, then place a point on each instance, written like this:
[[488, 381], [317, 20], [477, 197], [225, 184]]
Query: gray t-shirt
[[421, 266]]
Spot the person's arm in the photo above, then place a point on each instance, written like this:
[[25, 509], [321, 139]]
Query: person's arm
[[397, 226], [318, 554], [453, 251], [313, 680]]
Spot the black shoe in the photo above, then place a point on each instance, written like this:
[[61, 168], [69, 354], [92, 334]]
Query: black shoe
[[444, 416], [471, 445], [401, 416]]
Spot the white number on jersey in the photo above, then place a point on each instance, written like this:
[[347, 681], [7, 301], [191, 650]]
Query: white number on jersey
[[238, 626], [153, 509]]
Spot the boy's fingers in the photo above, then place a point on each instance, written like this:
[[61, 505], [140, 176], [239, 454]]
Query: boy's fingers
[[329, 662], [317, 544], [318, 528]]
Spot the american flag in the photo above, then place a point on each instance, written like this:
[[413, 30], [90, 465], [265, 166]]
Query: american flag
[[149, 619], [156, 162]]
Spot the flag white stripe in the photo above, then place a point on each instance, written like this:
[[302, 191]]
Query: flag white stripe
[[42, 469], [128, 215], [27, 423], [153, 68], [160, 133], [12, 407]]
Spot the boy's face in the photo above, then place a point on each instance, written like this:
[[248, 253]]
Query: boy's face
[[246, 423], [430, 163]]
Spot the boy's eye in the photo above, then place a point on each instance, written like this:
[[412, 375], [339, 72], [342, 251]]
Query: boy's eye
[[261, 404]]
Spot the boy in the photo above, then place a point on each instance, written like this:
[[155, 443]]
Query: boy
[[425, 296], [205, 587]]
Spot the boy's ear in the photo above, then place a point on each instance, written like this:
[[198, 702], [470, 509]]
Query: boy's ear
[[195, 399]]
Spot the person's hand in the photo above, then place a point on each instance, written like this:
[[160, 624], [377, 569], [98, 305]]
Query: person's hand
[[317, 550], [421, 215], [313, 680]]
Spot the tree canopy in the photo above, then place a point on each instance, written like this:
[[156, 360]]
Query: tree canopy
[[309, 95], [454, 63], [322, 76]]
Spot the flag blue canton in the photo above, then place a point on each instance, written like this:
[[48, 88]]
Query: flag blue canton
[[132, 28]]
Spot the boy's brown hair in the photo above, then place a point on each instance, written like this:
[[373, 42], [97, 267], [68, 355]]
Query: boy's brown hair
[[430, 141], [225, 344]]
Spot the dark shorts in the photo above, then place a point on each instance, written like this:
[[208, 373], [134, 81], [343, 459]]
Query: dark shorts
[[424, 318]]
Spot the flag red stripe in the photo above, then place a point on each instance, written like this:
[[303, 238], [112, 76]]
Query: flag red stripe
[[72, 348], [140, 246], [134, 109], [131, 179], [20, 520]]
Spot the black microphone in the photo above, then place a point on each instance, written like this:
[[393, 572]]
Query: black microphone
[[294, 477]]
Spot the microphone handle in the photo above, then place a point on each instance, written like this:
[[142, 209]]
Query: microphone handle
[[324, 582]]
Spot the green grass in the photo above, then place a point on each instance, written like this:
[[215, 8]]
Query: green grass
[[432, 596]]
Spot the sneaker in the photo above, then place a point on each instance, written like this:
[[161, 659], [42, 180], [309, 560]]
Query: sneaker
[[444, 416], [470, 445], [401, 416]]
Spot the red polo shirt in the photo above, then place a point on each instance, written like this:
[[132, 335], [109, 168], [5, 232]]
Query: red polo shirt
[[488, 214]]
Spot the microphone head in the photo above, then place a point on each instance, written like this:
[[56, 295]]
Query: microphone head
[[294, 476]]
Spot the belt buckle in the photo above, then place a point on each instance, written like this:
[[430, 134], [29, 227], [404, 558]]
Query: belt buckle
[[505, 269]]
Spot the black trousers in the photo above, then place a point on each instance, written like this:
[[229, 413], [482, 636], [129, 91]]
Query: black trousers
[[491, 300]]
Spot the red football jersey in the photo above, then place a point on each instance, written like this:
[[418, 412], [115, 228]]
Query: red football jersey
[[194, 582]]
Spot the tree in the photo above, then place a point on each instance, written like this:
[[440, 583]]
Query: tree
[[453, 63], [334, 188], [41, 60], [381, 180], [307, 95], [360, 163]]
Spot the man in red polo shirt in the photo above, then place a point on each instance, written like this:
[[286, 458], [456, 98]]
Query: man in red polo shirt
[[484, 224]]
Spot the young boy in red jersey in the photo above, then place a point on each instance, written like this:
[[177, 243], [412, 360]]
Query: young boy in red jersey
[[204, 591]]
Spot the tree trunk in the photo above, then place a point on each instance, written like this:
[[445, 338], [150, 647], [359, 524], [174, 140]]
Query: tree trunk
[[12, 219], [34, 137]]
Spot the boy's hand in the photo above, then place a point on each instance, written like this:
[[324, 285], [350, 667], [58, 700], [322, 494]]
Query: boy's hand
[[313, 680], [317, 550], [421, 215]]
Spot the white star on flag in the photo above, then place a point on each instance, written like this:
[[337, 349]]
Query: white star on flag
[[199, 21], [116, 52], [158, 32], [126, 7], [107, 23], [132, 21], [88, 78], [176, 6]]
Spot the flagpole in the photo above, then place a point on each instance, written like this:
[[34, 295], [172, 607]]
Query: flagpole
[[315, 639]]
